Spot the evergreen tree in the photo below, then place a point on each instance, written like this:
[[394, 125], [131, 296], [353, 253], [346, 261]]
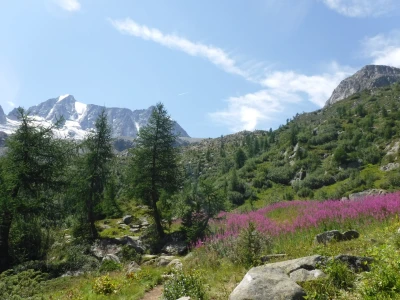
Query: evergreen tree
[[240, 158], [154, 165], [95, 172], [30, 172]]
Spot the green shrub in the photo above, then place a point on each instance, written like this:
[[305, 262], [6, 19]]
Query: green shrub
[[185, 284], [250, 245], [109, 266], [24, 285], [104, 286], [130, 254], [340, 275]]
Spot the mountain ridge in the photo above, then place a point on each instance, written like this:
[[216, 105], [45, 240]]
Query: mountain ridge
[[368, 77], [80, 118]]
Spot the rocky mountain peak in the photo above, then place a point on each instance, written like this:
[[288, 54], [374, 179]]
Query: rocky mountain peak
[[369, 77], [3, 118]]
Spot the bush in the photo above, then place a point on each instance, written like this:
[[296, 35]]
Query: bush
[[104, 286], [24, 285], [185, 284], [340, 275], [305, 192], [130, 254], [250, 245], [109, 266]]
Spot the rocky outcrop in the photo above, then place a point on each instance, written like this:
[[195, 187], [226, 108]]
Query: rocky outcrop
[[371, 192], [369, 77], [389, 167], [3, 118]]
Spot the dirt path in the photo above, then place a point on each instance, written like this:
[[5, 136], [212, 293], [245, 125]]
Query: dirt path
[[154, 294]]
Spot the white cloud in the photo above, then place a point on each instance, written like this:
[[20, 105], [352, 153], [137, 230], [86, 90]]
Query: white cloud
[[11, 104], [362, 8], [317, 87], [282, 91], [246, 112], [69, 5], [215, 55], [384, 49]]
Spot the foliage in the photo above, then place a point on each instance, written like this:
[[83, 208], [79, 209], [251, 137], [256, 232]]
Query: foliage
[[104, 286], [130, 254], [154, 165], [185, 284], [24, 285], [109, 265]]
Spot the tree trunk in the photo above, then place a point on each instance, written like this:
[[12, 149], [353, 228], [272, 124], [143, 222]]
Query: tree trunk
[[157, 218], [90, 215], [5, 226]]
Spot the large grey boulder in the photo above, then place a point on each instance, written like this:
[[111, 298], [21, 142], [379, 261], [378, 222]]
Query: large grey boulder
[[273, 281], [302, 275], [133, 267], [112, 257], [127, 219], [363, 194], [355, 263], [264, 282]]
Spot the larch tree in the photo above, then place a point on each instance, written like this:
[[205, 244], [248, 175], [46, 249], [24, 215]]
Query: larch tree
[[154, 165]]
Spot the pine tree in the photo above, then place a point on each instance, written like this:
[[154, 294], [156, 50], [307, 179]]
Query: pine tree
[[154, 165]]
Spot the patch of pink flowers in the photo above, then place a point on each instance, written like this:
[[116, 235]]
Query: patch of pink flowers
[[309, 214]]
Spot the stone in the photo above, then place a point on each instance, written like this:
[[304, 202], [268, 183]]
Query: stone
[[134, 230], [366, 193], [112, 257], [175, 248], [350, 235], [133, 267], [390, 167], [147, 257], [163, 261], [127, 219], [302, 275], [134, 243], [264, 282], [355, 263], [134, 226], [329, 236], [175, 264], [106, 246], [184, 298]]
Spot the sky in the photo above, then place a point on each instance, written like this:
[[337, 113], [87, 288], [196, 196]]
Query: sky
[[218, 66]]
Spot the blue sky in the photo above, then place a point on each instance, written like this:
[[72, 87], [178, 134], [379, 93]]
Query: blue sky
[[218, 66]]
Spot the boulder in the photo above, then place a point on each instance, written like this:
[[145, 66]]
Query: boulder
[[263, 282], [102, 248], [371, 192], [355, 263], [329, 236], [133, 267], [184, 298], [175, 264], [272, 281], [175, 248], [127, 219], [133, 242], [302, 275], [350, 235], [390, 167], [163, 261], [148, 257], [112, 257]]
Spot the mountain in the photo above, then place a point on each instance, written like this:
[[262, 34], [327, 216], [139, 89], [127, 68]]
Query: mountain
[[80, 118], [3, 118], [369, 77]]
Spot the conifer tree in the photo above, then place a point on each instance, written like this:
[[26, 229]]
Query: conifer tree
[[154, 166]]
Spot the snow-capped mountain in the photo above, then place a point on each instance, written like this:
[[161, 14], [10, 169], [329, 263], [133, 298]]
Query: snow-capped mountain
[[80, 118]]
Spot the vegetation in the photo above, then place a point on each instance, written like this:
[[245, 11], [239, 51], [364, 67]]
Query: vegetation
[[233, 199]]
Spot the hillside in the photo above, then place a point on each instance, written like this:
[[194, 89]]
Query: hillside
[[347, 147]]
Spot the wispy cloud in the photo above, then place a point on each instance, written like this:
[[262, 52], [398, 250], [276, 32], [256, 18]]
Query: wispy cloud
[[362, 8], [278, 90], [281, 91], [182, 94], [384, 49], [215, 55], [69, 5]]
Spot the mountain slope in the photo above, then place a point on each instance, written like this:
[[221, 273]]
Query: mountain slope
[[3, 118], [369, 77], [80, 118]]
